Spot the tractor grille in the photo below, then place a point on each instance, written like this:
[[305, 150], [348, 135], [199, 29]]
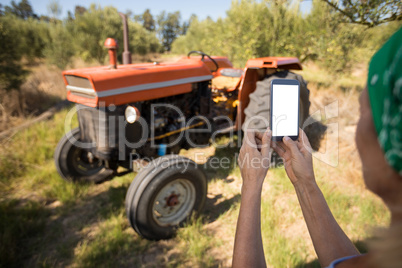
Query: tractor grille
[[95, 127], [78, 81], [80, 86], [108, 130]]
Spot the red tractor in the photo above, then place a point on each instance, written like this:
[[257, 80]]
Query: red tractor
[[132, 112]]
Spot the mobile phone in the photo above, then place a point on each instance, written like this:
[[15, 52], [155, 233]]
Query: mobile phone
[[285, 108]]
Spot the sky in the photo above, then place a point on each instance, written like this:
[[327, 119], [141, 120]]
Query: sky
[[202, 8]]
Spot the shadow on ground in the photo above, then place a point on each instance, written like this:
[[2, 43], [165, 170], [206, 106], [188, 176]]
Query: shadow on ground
[[214, 210], [223, 162]]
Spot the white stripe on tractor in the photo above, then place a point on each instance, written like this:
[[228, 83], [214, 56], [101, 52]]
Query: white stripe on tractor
[[82, 90]]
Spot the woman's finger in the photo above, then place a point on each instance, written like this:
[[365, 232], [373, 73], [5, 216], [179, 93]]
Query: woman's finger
[[266, 141], [291, 144], [303, 139], [259, 135], [258, 141], [251, 138], [278, 148]]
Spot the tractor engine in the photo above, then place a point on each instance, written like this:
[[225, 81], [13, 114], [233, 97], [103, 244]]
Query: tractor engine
[[109, 134], [171, 117]]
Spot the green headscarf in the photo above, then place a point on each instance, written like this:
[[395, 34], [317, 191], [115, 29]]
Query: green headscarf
[[385, 90]]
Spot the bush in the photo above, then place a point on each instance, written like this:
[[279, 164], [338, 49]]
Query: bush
[[251, 29], [91, 29], [11, 71], [59, 49], [276, 28]]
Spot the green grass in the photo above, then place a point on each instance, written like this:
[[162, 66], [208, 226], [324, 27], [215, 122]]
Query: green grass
[[111, 245], [22, 222], [32, 148], [194, 244], [47, 222]]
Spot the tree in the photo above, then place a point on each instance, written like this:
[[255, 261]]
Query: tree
[[79, 10], [54, 9], [129, 13], [70, 16], [45, 18], [148, 21], [12, 73], [169, 28], [142, 41], [89, 32], [368, 12], [57, 50], [186, 24], [275, 28], [22, 10]]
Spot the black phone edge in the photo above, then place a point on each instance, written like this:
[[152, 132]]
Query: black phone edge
[[280, 138]]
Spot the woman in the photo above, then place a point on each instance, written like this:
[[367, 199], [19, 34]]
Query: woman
[[379, 143]]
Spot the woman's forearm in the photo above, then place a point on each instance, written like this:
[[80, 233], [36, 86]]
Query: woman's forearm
[[329, 240], [248, 248]]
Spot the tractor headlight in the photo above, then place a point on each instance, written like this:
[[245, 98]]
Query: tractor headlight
[[131, 114]]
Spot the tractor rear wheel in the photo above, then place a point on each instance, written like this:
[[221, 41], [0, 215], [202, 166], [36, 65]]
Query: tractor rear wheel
[[258, 110], [76, 164]]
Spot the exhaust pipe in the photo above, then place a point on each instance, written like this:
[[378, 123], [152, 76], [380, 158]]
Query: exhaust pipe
[[111, 45], [126, 52]]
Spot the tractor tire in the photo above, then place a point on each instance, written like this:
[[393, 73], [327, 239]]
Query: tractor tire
[[259, 108], [74, 164], [164, 195]]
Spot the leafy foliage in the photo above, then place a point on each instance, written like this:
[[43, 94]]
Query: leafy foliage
[[91, 29], [251, 29], [169, 28], [56, 51], [79, 10], [11, 71], [54, 8], [369, 13], [147, 20], [277, 28], [22, 10]]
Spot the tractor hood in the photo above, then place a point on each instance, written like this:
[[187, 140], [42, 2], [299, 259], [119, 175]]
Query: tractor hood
[[102, 86]]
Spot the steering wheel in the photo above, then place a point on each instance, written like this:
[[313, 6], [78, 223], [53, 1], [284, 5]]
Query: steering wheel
[[202, 58]]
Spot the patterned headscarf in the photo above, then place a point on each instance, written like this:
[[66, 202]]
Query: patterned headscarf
[[385, 92]]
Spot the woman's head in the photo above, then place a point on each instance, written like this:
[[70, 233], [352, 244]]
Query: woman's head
[[379, 131]]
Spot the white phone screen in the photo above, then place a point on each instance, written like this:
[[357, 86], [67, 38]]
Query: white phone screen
[[285, 99]]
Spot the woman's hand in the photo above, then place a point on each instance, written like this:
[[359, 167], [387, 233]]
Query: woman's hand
[[254, 158], [297, 158]]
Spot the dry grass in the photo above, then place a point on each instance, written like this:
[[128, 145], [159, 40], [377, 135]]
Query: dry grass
[[42, 88]]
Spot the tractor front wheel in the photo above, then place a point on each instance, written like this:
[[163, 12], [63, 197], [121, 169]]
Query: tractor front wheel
[[164, 195], [77, 164]]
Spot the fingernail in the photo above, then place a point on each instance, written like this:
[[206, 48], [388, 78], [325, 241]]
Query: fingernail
[[269, 133], [286, 138]]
